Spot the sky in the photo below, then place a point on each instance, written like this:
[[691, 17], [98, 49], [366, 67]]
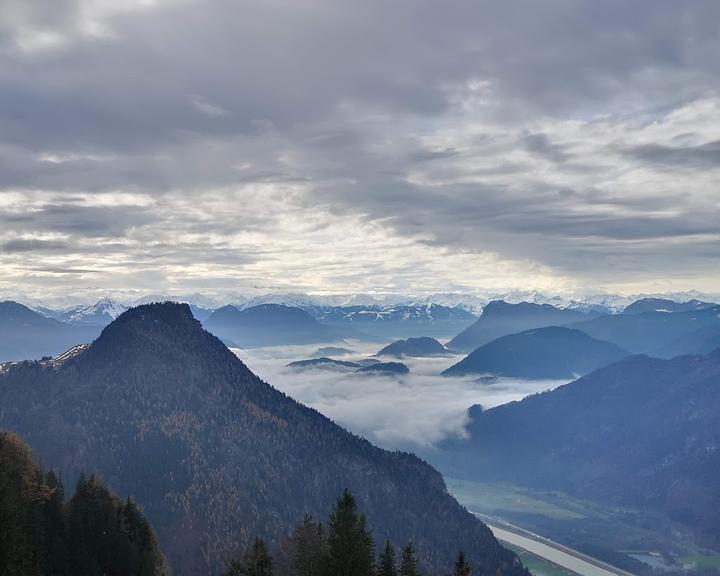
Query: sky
[[329, 146]]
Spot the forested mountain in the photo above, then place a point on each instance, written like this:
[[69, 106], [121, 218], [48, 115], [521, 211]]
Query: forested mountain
[[92, 533], [642, 432], [420, 347], [646, 332], [702, 341], [229, 455], [500, 319], [552, 352], [267, 325], [25, 334]]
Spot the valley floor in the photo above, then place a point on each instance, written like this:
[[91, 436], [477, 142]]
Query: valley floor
[[622, 540]]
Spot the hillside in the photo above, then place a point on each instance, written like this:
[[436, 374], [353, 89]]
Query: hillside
[[267, 325], [231, 456], [94, 532], [552, 352], [27, 335], [641, 433], [500, 319], [420, 347]]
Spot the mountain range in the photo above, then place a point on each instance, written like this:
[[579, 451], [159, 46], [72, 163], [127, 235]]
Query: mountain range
[[550, 352], [26, 334], [166, 413], [267, 325]]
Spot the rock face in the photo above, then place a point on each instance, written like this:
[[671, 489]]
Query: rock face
[[642, 432], [414, 347], [552, 352], [500, 319], [167, 414], [267, 325]]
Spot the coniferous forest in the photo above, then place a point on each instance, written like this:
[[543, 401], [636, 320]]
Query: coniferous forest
[[43, 533], [344, 546]]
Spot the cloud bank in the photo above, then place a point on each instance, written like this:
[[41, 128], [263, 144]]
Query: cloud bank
[[411, 412]]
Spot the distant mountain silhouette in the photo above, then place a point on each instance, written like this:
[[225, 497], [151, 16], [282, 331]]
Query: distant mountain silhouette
[[417, 347], [332, 351], [665, 305], [552, 352], [27, 335], [384, 323], [167, 414], [99, 314], [322, 363], [646, 332], [500, 319], [267, 325], [642, 432], [385, 368]]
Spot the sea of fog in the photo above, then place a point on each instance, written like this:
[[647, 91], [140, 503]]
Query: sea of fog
[[407, 412]]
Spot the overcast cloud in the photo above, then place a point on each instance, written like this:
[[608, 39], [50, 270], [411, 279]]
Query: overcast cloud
[[359, 145]]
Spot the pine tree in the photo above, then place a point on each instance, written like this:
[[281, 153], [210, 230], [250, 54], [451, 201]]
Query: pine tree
[[408, 564], [255, 562], [461, 566], [351, 547], [387, 565], [309, 549]]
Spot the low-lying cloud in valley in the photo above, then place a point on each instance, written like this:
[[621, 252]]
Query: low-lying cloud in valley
[[408, 412]]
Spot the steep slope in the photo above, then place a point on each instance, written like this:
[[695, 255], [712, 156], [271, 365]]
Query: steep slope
[[99, 314], [500, 319], [414, 347], [552, 352], [646, 332], [25, 334], [642, 432], [168, 414], [267, 325]]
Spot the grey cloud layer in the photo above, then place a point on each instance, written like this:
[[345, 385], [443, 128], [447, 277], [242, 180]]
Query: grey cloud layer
[[571, 137]]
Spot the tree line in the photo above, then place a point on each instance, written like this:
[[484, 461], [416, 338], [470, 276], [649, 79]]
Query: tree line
[[343, 547]]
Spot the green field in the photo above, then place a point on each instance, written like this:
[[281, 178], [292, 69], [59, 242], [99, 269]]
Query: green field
[[497, 498], [702, 561]]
